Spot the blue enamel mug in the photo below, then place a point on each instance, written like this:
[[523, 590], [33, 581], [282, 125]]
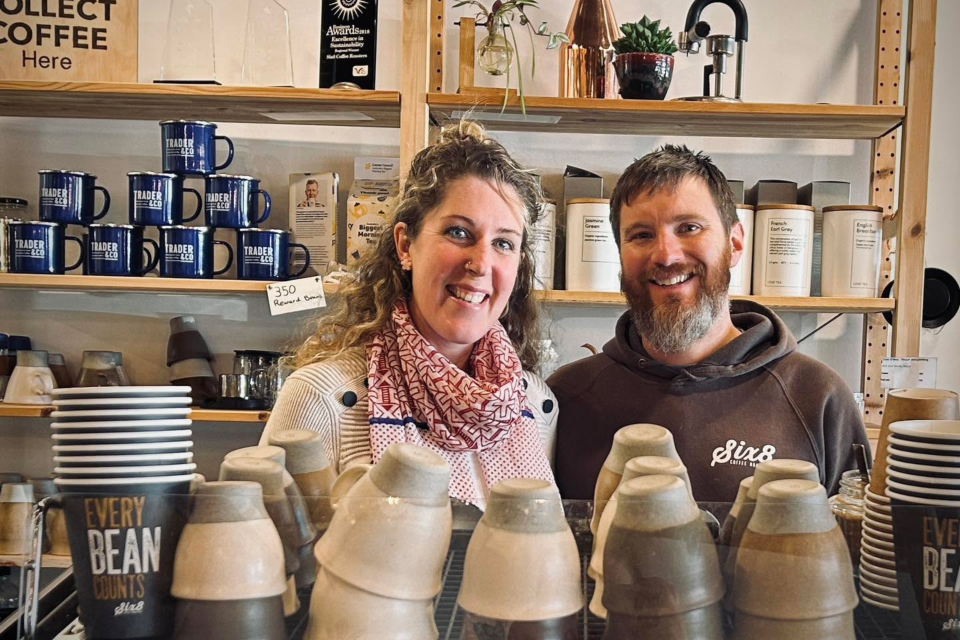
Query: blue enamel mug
[[39, 247], [232, 202], [156, 199], [264, 254], [190, 147], [69, 197], [187, 252], [118, 250]]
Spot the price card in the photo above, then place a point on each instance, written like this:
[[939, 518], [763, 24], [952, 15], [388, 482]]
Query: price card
[[908, 373], [296, 295]]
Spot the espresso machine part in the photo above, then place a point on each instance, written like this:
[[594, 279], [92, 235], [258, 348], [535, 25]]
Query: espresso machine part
[[721, 47]]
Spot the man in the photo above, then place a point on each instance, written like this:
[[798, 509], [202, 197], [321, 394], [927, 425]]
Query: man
[[726, 379], [312, 192]]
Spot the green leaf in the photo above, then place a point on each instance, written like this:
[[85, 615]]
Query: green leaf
[[542, 29]]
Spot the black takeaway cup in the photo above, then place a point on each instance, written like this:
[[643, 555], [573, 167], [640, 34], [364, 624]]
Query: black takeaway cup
[[123, 535]]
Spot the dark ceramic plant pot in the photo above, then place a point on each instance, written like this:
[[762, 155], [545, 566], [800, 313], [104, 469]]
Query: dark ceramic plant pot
[[644, 76]]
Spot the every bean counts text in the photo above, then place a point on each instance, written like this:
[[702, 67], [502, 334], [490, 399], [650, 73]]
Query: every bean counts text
[[74, 24]]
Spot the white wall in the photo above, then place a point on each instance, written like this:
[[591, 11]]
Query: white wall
[[810, 51]]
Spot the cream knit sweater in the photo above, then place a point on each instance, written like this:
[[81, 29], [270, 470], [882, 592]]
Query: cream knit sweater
[[330, 397]]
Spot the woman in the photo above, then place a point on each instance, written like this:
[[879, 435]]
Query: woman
[[433, 342]]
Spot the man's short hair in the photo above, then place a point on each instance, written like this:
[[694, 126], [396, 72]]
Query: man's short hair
[[665, 168], [314, 182]]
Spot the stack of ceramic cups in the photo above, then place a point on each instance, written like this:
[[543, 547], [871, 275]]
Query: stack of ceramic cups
[[661, 571], [629, 442], [286, 507], [878, 569], [384, 551], [794, 577], [228, 575], [769, 471], [522, 570], [124, 467], [636, 467], [308, 466]]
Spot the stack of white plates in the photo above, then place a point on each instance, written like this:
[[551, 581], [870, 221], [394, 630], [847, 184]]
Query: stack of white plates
[[108, 436], [878, 567], [923, 459]]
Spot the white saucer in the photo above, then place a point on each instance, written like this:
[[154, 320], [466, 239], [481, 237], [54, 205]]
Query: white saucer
[[880, 605], [121, 414], [887, 573], [876, 560], [121, 460], [900, 474], [923, 501], [121, 425], [944, 430], [878, 544], [106, 449], [878, 533], [872, 594], [157, 470], [917, 466], [894, 450], [124, 436], [116, 392], [874, 580], [102, 482], [159, 402], [951, 449], [872, 497], [926, 491]]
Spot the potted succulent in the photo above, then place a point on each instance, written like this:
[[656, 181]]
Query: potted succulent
[[644, 61]]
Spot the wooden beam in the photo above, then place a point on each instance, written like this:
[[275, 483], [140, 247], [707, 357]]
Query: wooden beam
[[468, 33], [438, 43], [415, 62], [883, 179], [914, 174]]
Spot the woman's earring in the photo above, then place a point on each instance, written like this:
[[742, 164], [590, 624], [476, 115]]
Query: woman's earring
[[406, 264]]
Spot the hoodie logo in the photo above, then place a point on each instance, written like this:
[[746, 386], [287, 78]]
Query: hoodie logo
[[739, 453]]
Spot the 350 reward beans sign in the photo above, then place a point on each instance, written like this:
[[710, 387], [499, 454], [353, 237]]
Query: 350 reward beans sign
[[78, 40]]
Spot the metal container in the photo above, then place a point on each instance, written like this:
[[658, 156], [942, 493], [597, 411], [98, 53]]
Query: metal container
[[586, 62], [10, 209], [235, 385]]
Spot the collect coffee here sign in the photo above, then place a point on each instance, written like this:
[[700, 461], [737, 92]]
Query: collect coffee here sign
[[72, 40]]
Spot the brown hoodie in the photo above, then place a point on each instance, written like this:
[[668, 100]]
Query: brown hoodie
[[755, 399]]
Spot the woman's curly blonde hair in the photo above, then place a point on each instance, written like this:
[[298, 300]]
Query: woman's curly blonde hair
[[364, 305]]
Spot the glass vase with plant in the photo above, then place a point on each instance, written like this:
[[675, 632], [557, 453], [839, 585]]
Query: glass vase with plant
[[496, 52]]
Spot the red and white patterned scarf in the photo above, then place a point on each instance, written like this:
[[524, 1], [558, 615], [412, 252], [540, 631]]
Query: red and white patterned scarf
[[412, 383]]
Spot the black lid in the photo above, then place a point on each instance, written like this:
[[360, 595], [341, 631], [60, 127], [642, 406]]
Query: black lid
[[4, 340], [20, 343], [941, 298], [19, 202]]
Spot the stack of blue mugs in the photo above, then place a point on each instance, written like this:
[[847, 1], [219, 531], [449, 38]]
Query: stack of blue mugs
[[156, 199]]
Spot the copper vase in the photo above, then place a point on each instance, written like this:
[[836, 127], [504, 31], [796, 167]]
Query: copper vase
[[586, 63]]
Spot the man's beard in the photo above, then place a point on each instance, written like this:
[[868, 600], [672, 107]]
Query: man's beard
[[674, 326]]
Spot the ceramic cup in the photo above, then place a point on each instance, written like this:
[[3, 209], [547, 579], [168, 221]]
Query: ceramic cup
[[68, 197], [417, 519], [629, 442], [156, 199], [102, 369], [793, 562], [228, 575], [190, 147], [769, 471], [307, 463], [522, 563], [705, 623], [299, 533], [660, 558], [636, 467], [730, 522], [16, 511], [750, 627], [339, 610], [31, 382]]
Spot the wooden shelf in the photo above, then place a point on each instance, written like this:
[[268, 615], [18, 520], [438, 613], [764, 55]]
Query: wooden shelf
[[108, 284], [226, 415], [651, 117], [815, 305], [46, 562], [197, 415], [142, 101]]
